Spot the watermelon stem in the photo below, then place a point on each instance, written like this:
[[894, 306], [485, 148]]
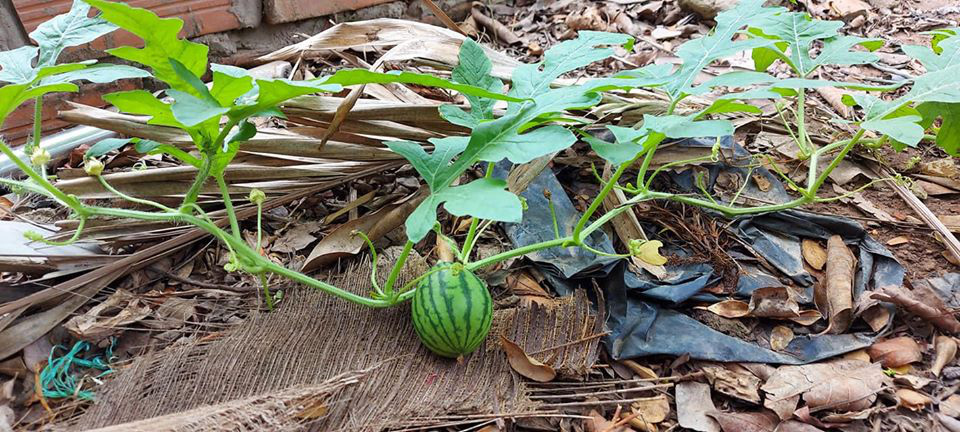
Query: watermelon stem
[[395, 272]]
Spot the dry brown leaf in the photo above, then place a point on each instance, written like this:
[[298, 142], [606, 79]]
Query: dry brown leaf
[[103, 321], [780, 337], [898, 240], [951, 406], [872, 311], [599, 423], [296, 238], [797, 426], [911, 381], [945, 348], [763, 421], [814, 254], [525, 365], [342, 242], [895, 352], [523, 285], [912, 400], [651, 411], [642, 371], [834, 97], [730, 309], [693, 405], [845, 385], [739, 384], [834, 297], [946, 167], [860, 354], [770, 302]]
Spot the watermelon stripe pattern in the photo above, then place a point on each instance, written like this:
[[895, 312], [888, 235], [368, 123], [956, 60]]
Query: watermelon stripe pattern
[[452, 311]]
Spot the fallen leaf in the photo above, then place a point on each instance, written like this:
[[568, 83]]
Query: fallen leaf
[[780, 337], [770, 302], [296, 238], [342, 242], [912, 381], [103, 320], [946, 349], [642, 371], [844, 385], [523, 285], [741, 385], [860, 354], [693, 405], [797, 426], [913, 400], [649, 252], [599, 423], [814, 254], [872, 311], [651, 411], [895, 352], [946, 168], [834, 297], [762, 183], [525, 365], [951, 406], [746, 421], [898, 240]]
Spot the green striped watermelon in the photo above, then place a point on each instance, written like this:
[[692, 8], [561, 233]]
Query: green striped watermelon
[[452, 310]]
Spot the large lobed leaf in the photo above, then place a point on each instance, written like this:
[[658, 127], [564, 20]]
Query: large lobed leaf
[[161, 43], [73, 28]]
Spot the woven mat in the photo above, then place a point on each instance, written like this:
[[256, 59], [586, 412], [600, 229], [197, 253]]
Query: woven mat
[[313, 337]]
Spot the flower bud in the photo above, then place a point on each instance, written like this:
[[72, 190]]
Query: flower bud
[[257, 196], [93, 167], [40, 156]]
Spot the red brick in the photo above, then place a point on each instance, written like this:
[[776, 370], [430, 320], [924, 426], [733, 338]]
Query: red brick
[[19, 125], [281, 11], [200, 16]]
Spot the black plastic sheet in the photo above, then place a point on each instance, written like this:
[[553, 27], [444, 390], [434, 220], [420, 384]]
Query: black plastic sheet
[[641, 317]]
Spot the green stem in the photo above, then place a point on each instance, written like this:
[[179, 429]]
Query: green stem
[[578, 229], [198, 182], [111, 189], [812, 191], [518, 252], [51, 191], [37, 122], [395, 272], [474, 222], [266, 291], [73, 239], [228, 206], [802, 139]]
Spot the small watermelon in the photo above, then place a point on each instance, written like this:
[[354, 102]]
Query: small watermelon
[[452, 310]]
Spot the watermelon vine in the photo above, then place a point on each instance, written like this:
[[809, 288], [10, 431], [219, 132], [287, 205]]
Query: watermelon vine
[[452, 308]]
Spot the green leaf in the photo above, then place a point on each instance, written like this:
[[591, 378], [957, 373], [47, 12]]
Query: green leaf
[[838, 51], [937, 86], [231, 146], [430, 166], [272, 92], [192, 111], [152, 147], [799, 31], [350, 77], [627, 144], [13, 95], [142, 102], [948, 137], [902, 129], [16, 65], [106, 146], [674, 126], [101, 73], [70, 29], [474, 69], [698, 53], [484, 198], [945, 55], [530, 80], [199, 88], [230, 83], [161, 43]]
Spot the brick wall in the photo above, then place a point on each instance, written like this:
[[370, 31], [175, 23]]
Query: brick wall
[[201, 17]]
